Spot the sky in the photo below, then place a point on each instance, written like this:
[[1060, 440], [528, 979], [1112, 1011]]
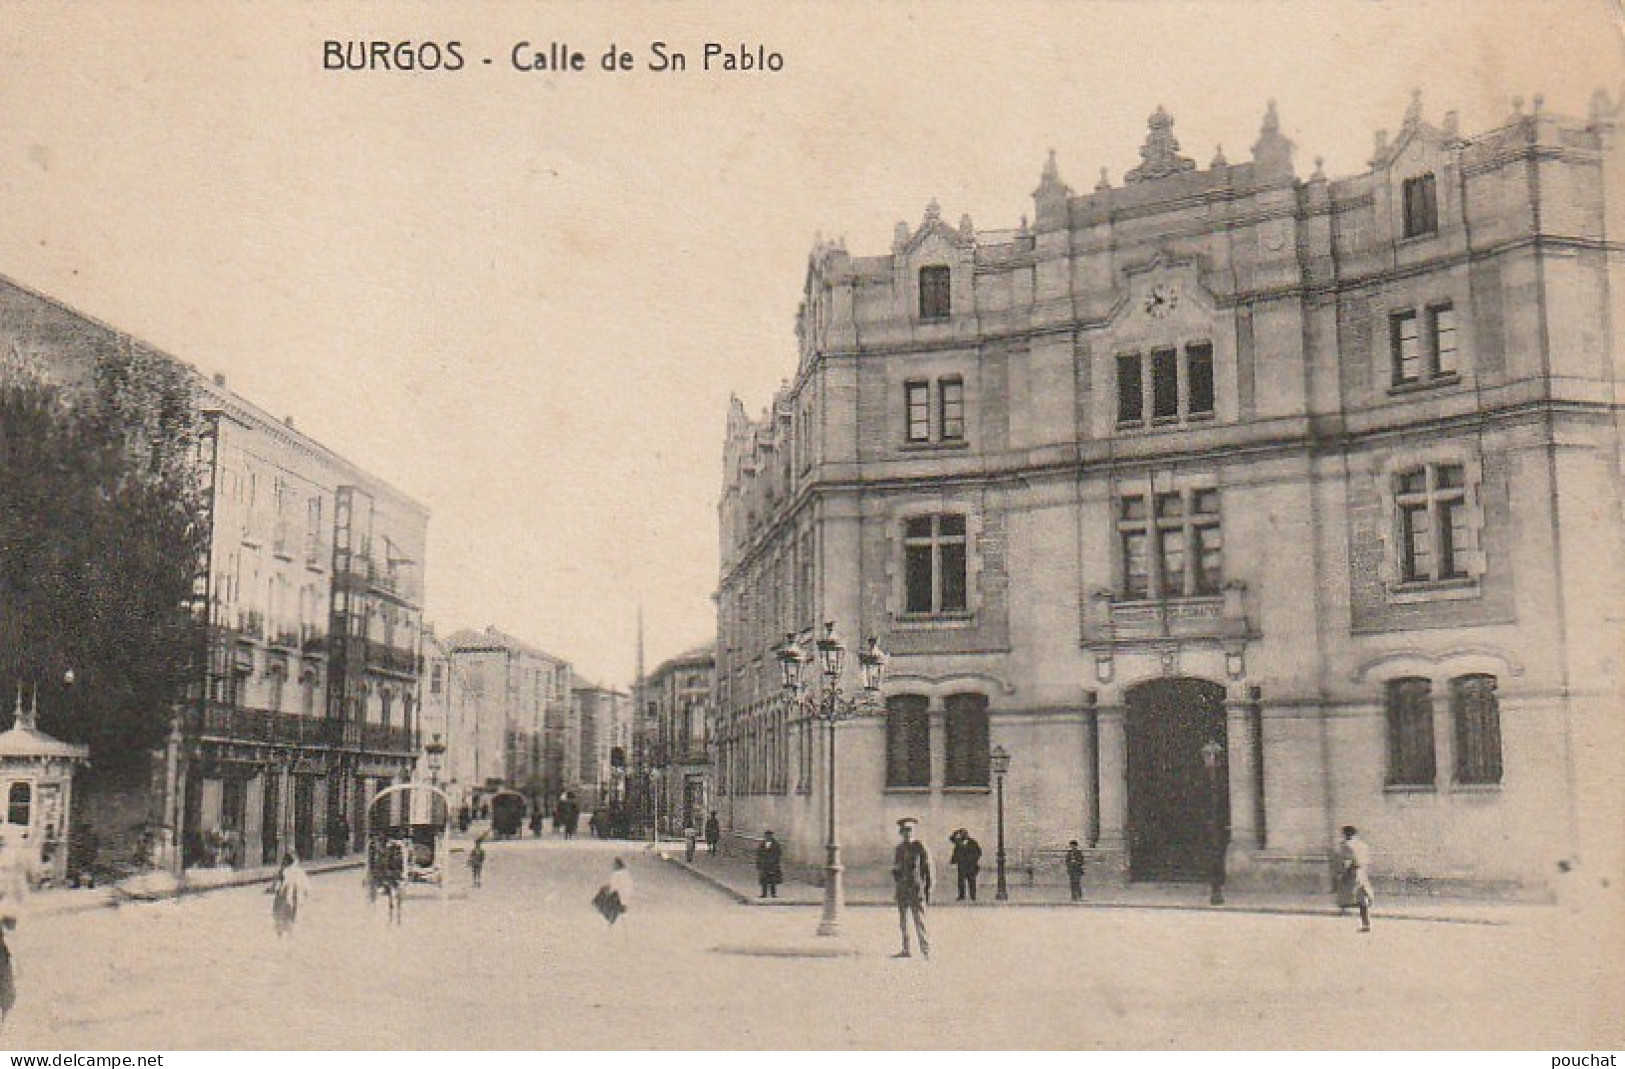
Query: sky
[[525, 297]]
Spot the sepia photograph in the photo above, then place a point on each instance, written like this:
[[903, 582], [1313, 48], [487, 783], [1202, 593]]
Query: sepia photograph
[[957, 527]]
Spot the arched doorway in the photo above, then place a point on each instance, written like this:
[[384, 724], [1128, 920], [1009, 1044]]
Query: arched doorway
[[1178, 811]]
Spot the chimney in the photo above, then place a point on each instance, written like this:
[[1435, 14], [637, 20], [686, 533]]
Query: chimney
[[219, 379]]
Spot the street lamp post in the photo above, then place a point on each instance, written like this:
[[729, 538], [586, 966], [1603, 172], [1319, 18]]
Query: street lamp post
[[832, 707], [1212, 755], [999, 761], [654, 803], [434, 750]]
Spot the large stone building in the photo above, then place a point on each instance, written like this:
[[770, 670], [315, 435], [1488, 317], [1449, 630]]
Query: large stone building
[[1235, 506], [306, 701], [678, 697], [604, 716], [519, 703], [447, 720]]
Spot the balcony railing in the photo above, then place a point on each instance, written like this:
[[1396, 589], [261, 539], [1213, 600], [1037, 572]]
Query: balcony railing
[[251, 624], [393, 659], [231, 724], [286, 637], [1219, 616]]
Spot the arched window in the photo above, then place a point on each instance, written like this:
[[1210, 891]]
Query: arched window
[[1411, 760], [1476, 714], [908, 741], [19, 800], [967, 740]]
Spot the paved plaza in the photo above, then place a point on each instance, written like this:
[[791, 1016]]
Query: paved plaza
[[524, 962]]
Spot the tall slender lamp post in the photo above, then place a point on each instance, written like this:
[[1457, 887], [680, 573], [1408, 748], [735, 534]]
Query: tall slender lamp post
[[999, 762], [1212, 755], [832, 707]]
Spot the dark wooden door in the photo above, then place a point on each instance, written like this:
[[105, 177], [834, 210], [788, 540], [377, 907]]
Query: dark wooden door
[[1177, 808]]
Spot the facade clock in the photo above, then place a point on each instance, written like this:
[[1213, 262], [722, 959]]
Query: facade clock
[[1161, 301]]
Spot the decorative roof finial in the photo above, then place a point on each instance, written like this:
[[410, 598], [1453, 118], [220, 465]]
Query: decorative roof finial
[[933, 213], [1104, 183], [1413, 114], [1160, 154], [967, 232], [1052, 171], [1320, 170], [1218, 158]]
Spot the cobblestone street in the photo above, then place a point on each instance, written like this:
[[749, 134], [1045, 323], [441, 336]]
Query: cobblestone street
[[525, 963]]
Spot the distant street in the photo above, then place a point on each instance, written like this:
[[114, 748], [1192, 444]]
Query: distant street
[[525, 963]]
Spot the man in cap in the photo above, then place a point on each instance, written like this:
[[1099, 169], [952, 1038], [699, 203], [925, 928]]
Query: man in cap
[[911, 873]]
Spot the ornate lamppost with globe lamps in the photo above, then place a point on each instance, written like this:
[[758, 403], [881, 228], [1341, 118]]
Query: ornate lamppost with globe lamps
[[831, 706], [999, 762]]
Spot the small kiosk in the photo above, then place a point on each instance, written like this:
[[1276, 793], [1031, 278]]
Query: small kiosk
[[36, 789]]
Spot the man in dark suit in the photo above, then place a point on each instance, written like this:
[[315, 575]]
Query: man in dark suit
[[967, 861], [769, 865], [911, 875]]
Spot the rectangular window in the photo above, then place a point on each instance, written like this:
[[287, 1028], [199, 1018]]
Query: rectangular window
[[1136, 564], [1421, 206], [919, 411], [1406, 347], [908, 741], [951, 396], [935, 565], [1442, 324], [1476, 716], [936, 300], [1431, 504], [313, 530], [1188, 558], [1164, 384], [1208, 543], [1410, 733], [1199, 364], [1130, 391]]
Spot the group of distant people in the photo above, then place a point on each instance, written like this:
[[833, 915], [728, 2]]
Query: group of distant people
[[911, 875]]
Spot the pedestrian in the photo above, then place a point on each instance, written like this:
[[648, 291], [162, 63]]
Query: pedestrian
[[769, 865], [292, 887], [713, 833], [1354, 875], [17, 873], [615, 897], [1074, 870], [967, 862], [911, 875], [690, 837], [476, 860]]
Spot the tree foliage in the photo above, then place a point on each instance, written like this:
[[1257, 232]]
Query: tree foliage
[[102, 541]]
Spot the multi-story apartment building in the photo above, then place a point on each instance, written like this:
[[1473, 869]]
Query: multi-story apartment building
[[519, 704], [678, 694], [1234, 506], [306, 702], [315, 593], [604, 715]]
